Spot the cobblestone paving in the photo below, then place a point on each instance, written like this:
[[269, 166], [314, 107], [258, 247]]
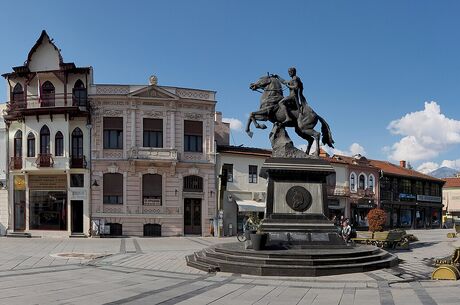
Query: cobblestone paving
[[153, 271]]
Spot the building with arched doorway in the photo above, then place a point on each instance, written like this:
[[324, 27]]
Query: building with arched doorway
[[47, 117], [153, 158]]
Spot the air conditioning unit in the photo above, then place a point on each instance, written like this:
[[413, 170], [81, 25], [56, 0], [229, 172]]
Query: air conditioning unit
[[258, 196]]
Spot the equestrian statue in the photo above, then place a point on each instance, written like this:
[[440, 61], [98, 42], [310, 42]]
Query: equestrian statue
[[287, 111]]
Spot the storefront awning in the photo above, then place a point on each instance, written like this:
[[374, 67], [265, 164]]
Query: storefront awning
[[250, 206]]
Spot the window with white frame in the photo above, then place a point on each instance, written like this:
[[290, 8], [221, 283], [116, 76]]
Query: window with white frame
[[362, 182], [252, 173], [353, 182], [371, 183]]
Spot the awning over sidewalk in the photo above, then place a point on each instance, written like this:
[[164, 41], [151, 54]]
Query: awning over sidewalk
[[250, 206]]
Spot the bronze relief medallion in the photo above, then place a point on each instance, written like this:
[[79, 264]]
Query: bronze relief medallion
[[298, 198]]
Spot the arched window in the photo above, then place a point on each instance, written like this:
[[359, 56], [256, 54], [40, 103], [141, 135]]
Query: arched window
[[45, 140], [18, 93], [362, 182], [59, 144], [371, 183], [47, 94], [353, 182], [30, 145], [113, 188], [77, 143], [193, 184], [79, 94], [17, 145], [152, 187]]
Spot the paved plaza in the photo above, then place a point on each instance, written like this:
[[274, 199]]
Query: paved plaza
[[153, 271]]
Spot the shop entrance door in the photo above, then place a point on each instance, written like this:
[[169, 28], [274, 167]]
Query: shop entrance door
[[192, 216], [77, 216], [20, 216]]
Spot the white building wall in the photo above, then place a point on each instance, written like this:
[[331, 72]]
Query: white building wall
[[3, 172], [240, 188], [3, 147]]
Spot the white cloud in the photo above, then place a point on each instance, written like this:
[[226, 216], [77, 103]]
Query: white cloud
[[455, 164], [354, 149], [303, 147], [424, 133], [427, 167], [235, 124]]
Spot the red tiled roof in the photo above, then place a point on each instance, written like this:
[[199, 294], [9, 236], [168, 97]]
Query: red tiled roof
[[390, 168], [452, 182]]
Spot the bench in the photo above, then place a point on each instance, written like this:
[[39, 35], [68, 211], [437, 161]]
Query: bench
[[386, 239]]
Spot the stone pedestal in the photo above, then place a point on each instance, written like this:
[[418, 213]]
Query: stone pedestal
[[297, 207]]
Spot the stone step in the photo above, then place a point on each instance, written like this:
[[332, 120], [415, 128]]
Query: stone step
[[19, 234], [294, 260], [78, 235], [206, 267], [387, 261], [311, 253]]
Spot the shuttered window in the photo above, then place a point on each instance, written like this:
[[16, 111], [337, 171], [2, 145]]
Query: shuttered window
[[193, 136], [153, 133], [113, 133], [113, 188], [152, 187]]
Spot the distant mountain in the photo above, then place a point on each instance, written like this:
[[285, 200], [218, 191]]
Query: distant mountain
[[444, 172]]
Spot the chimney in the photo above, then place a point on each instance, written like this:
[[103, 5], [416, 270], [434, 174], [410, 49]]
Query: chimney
[[402, 163]]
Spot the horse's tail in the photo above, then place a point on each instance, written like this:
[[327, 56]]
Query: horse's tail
[[326, 132]]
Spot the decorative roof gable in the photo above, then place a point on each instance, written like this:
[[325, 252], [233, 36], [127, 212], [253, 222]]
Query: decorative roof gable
[[154, 92]]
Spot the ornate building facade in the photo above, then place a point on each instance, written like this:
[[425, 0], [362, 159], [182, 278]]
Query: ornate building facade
[[153, 159], [48, 144], [354, 189]]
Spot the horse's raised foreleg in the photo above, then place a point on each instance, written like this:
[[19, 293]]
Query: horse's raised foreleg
[[261, 115], [248, 126]]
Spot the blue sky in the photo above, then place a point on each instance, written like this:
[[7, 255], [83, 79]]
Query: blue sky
[[364, 64]]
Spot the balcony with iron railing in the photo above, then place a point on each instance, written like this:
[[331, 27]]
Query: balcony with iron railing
[[44, 160], [15, 163], [78, 162], [46, 103]]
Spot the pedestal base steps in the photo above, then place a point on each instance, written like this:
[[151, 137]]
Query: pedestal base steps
[[313, 261]]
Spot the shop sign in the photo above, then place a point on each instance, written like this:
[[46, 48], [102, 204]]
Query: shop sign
[[429, 198], [365, 206], [19, 183], [80, 194], [406, 196], [152, 201], [48, 182]]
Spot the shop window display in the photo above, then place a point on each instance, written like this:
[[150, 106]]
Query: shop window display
[[48, 210], [405, 218]]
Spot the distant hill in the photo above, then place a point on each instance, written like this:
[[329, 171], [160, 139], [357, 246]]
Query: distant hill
[[444, 172]]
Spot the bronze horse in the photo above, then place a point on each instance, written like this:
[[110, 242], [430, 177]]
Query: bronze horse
[[305, 118]]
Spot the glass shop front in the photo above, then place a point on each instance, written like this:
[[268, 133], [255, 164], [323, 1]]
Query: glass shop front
[[48, 202], [359, 212], [413, 215]]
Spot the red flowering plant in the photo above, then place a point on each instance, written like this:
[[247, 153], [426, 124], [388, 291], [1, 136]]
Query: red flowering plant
[[376, 218]]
